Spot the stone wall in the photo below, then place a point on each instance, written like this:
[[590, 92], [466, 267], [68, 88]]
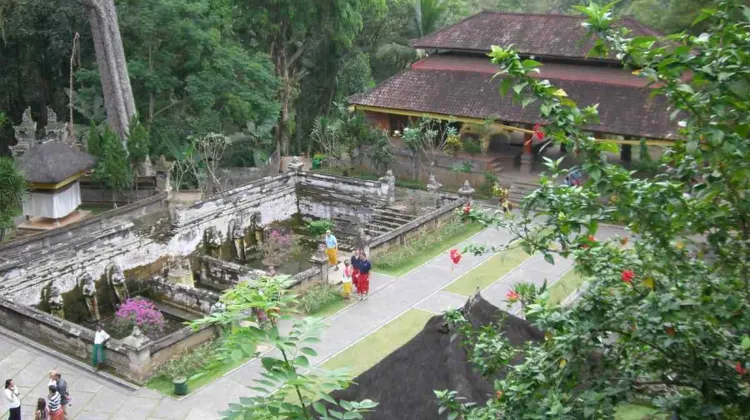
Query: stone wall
[[132, 245], [330, 196], [93, 192], [191, 298], [222, 275]]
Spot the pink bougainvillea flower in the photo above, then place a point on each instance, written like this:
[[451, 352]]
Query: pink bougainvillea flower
[[740, 368], [627, 276], [512, 296]]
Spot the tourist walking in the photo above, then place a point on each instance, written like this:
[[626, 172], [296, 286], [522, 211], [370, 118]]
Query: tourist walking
[[14, 402], [62, 389], [347, 283], [332, 249], [364, 277], [97, 356], [54, 404], [355, 270], [42, 412]]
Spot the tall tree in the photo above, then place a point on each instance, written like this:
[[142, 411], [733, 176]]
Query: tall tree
[[12, 190], [289, 28], [113, 69]]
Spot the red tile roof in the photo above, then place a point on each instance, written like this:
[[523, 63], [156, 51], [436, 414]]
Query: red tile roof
[[463, 87], [548, 35]]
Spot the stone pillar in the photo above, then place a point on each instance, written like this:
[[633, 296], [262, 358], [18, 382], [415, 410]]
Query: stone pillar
[[388, 186], [433, 186], [138, 348], [527, 157], [321, 260], [163, 174], [466, 191], [295, 165]]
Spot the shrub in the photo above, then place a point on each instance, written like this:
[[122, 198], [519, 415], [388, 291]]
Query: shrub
[[318, 297], [139, 312], [277, 246], [190, 362], [396, 257], [490, 180], [319, 227]]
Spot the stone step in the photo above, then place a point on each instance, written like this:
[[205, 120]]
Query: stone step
[[377, 230], [394, 214], [387, 222]]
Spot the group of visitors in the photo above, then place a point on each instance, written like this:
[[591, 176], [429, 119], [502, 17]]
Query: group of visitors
[[54, 407], [356, 270]]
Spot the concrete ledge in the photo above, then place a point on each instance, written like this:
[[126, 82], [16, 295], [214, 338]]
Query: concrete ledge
[[75, 362]]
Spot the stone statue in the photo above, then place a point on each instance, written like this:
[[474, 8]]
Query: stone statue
[[466, 191], [88, 289], [218, 307], [238, 239], [25, 134], [433, 186], [163, 169], [55, 301], [116, 279], [295, 164], [180, 272], [363, 240], [212, 239], [388, 186]]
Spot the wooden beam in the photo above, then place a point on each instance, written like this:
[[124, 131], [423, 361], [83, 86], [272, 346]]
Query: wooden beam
[[438, 116], [64, 182]]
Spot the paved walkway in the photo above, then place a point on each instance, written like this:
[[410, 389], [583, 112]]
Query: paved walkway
[[94, 398]]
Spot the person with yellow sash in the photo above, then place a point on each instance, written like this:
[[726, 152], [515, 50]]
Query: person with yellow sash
[[332, 249]]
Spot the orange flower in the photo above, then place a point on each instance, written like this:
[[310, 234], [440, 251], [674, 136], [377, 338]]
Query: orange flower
[[512, 296]]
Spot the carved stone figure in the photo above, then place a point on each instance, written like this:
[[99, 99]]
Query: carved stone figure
[[295, 164], [212, 239], [88, 289], [466, 191], [55, 301], [180, 272], [163, 169], [433, 186], [116, 279], [238, 240], [388, 186], [218, 307], [25, 134], [54, 130], [363, 240]]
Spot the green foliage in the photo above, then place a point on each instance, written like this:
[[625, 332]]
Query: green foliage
[[471, 146], [318, 227], [138, 142], [489, 182], [113, 169], [12, 191], [666, 317], [252, 146], [290, 387], [190, 363], [645, 163], [318, 297], [380, 150], [94, 141]]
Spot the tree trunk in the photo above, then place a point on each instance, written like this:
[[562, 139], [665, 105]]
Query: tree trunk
[[113, 70]]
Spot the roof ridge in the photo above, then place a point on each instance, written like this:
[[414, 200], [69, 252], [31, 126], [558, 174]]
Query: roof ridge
[[500, 12], [445, 28]]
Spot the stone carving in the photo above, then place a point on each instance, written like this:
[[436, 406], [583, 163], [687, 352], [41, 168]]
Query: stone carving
[[180, 272], [88, 289], [212, 239], [295, 164], [116, 280], [55, 301], [466, 191], [54, 130], [363, 240], [136, 339], [25, 134], [163, 170], [238, 239], [388, 186], [218, 307], [433, 186]]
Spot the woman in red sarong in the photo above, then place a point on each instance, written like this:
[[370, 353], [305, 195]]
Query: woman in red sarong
[[355, 265], [364, 277]]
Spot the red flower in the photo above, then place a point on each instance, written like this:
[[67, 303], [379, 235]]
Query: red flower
[[455, 256], [740, 368], [467, 209], [498, 394], [627, 276], [591, 238], [538, 133], [512, 296]]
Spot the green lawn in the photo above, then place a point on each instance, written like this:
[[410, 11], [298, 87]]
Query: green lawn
[[373, 348], [562, 288], [164, 384], [332, 308], [488, 272], [399, 260], [637, 412]]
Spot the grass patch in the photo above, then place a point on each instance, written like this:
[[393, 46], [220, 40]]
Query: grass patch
[[190, 363], [637, 412], [562, 288], [488, 272], [373, 348], [399, 260]]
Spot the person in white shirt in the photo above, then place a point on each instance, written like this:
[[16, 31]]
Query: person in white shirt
[[101, 337], [14, 402]]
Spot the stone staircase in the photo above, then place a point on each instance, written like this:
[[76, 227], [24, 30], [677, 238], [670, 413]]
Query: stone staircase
[[500, 166], [384, 220], [518, 188]]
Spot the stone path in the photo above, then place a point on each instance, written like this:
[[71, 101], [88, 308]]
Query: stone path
[[95, 398]]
